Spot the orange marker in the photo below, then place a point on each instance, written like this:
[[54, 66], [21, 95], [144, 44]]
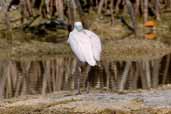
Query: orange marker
[[150, 24], [150, 36]]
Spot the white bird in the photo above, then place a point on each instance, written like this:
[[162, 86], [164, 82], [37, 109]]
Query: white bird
[[85, 44]]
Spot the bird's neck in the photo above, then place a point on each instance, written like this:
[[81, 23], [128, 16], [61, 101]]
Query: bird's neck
[[75, 30]]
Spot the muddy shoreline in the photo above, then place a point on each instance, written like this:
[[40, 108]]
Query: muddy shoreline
[[153, 101]]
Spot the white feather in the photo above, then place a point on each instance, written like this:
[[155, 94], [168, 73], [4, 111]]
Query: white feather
[[86, 46], [96, 44]]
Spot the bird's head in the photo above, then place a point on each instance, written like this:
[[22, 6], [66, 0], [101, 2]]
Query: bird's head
[[78, 26]]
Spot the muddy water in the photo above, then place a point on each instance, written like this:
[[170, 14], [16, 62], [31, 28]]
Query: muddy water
[[44, 76]]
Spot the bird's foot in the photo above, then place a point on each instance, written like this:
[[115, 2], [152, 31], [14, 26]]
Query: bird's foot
[[78, 93], [87, 91]]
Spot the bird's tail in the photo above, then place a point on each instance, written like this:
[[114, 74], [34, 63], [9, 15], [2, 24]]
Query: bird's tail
[[92, 62]]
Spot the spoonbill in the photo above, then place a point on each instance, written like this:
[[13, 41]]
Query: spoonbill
[[86, 46]]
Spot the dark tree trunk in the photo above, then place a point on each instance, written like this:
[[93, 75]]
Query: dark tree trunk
[[145, 10], [157, 8], [100, 6], [131, 12]]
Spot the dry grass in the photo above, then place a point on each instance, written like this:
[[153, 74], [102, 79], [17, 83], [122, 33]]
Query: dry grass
[[127, 49], [135, 49], [103, 27], [117, 44]]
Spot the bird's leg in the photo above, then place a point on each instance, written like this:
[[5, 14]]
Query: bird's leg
[[78, 86], [88, 87], [99, 64], [78, 79], [87, 79]]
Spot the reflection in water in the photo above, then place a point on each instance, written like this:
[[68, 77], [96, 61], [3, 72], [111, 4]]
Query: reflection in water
[[40, 77]]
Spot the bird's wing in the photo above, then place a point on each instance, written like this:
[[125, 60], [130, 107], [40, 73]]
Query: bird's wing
[[95, 44], [81, 47], [74, 43]]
